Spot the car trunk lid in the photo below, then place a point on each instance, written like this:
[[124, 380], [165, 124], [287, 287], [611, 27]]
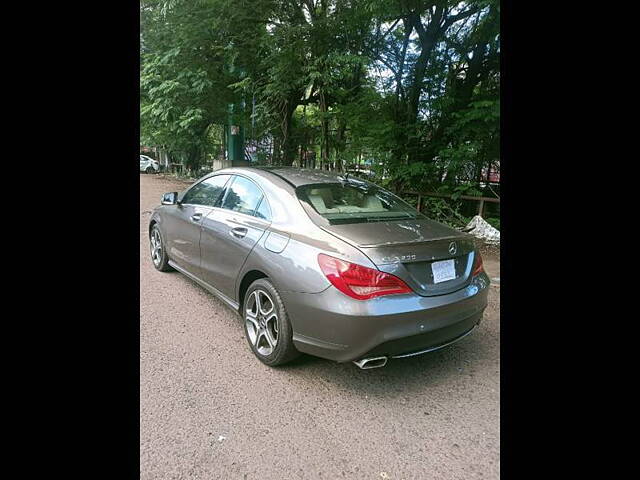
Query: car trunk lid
[[409, 249]]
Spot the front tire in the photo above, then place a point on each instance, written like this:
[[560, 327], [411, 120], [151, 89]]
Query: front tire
[[149, 170], [266, 324], [159, 256]]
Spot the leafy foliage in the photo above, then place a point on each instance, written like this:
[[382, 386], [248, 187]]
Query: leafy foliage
[[408, 90]]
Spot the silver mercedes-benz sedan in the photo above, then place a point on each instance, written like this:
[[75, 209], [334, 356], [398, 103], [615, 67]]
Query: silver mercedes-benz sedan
[[323, 264]]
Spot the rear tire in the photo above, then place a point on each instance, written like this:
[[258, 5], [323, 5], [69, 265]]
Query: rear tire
[[266, 324]]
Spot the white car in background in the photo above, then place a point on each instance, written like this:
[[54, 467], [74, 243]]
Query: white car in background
[[149, 165]]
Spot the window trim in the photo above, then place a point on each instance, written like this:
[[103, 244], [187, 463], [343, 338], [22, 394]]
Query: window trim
[[263, 199]]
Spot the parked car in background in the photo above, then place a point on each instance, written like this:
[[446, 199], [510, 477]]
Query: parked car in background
[[149, 165], [318, 263]]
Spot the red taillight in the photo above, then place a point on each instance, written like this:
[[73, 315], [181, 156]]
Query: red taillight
[[478, 268], [360, 282]]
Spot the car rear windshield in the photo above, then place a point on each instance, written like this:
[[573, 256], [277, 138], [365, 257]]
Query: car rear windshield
[[355, 202]]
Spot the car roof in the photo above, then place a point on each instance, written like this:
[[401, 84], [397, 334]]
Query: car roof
[[303, 176]]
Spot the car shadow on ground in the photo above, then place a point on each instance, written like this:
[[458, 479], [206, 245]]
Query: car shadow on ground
[[406, 375]]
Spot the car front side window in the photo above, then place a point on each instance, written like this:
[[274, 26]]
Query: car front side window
[[242, 196], [207, 191]]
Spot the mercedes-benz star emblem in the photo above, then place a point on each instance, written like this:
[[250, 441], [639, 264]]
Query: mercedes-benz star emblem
[[453, 248]]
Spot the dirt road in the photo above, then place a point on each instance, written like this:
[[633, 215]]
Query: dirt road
[[210, 410]]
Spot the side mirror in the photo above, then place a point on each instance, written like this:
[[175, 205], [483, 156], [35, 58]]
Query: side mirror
[[170, 198]]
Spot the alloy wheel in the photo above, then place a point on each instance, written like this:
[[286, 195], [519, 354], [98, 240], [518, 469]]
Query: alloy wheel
[[261, 321], [156, 247]]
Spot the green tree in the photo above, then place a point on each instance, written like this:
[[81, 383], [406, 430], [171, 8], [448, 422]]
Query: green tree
[[407, 88]]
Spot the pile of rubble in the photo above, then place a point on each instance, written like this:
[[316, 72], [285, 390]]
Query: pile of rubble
[[479, 228]]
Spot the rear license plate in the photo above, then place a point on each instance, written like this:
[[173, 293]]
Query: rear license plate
[[443, 271]]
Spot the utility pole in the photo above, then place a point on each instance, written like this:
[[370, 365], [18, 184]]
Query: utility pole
[[235, 138], [234, 130]]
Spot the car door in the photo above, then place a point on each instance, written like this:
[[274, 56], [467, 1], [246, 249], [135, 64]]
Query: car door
[[182, 222], [230, 232]]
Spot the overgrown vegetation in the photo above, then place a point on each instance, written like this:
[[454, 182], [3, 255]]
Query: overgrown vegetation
[[405, 90]]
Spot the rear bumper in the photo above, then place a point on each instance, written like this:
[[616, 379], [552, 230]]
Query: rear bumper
[[333, 326]]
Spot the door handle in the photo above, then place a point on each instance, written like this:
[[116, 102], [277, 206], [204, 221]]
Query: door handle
[[196, 217], [238, 232]]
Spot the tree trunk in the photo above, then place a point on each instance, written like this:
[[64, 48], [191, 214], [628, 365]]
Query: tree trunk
[[325, 129], [288, 148], [340, 142], [429, 38]]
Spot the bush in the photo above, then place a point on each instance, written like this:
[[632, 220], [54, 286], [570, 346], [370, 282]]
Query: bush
[[444, 211]]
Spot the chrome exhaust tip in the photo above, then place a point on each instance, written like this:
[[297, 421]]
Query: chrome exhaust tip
[[372, 362]]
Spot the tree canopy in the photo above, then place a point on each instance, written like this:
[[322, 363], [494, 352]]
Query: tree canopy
[[408, 89]]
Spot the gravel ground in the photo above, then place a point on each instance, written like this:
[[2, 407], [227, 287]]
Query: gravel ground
[[209, 409]]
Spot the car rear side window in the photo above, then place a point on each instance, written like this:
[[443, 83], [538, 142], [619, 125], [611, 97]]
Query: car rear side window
[[263, 211], [242, 196], [207, 191]]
